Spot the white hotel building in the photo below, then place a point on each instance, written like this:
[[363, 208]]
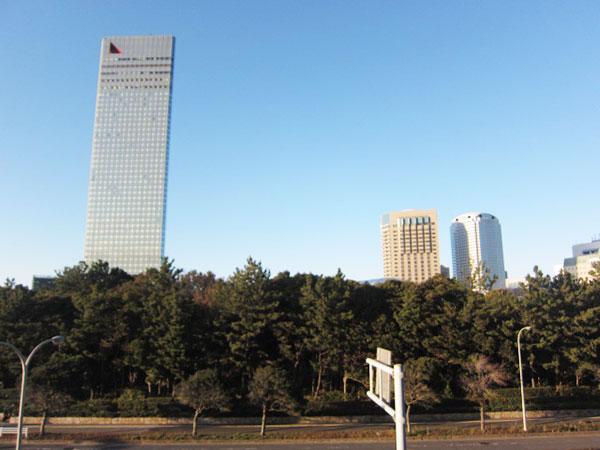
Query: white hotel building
[[477, 245]]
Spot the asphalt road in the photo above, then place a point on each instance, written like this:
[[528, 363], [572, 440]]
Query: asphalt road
[[561, 442]]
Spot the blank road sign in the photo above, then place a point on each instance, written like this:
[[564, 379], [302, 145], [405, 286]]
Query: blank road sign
[[383, 380]]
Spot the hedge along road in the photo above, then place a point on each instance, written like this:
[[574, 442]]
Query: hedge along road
[[560, 442]]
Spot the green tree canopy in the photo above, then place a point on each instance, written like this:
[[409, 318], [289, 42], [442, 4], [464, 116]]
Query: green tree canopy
[[203, 392]]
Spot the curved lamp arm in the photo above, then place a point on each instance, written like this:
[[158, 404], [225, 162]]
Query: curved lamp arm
[[24, 365], [521, 330], [56, 340], [16, 350]]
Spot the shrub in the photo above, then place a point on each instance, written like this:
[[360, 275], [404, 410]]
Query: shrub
[[131, 403], [100, 407], [547, 397]]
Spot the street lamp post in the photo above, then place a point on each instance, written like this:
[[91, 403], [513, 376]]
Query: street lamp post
[[56, 340], [521, 376]]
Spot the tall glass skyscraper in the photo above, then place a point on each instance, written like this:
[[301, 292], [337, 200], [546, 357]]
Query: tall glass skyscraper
[[477, 246], [128, 176]]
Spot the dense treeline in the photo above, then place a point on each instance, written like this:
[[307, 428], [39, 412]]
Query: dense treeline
[[153, 331]]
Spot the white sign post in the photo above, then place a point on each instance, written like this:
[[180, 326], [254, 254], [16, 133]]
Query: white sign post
[[384, 356], [380, 392]]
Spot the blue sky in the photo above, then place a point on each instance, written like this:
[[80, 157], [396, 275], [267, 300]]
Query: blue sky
[[296, 124]]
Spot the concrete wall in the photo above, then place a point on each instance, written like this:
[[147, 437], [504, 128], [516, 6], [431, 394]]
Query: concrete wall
[[417, 418]]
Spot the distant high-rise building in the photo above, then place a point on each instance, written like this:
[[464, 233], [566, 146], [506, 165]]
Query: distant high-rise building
[[445, 271], [477, 248], [128, 175], [409, 241], [42, 282], [585, 256]]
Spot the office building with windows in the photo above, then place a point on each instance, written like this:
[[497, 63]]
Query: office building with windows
[[410, 246], [40, 282], [477, 254], [125, 224], [585, 257]]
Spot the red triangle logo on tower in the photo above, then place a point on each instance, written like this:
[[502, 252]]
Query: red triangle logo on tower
[[114, 48]]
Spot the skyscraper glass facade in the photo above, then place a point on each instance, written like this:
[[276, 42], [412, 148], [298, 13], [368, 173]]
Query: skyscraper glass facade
[[125, 223]]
